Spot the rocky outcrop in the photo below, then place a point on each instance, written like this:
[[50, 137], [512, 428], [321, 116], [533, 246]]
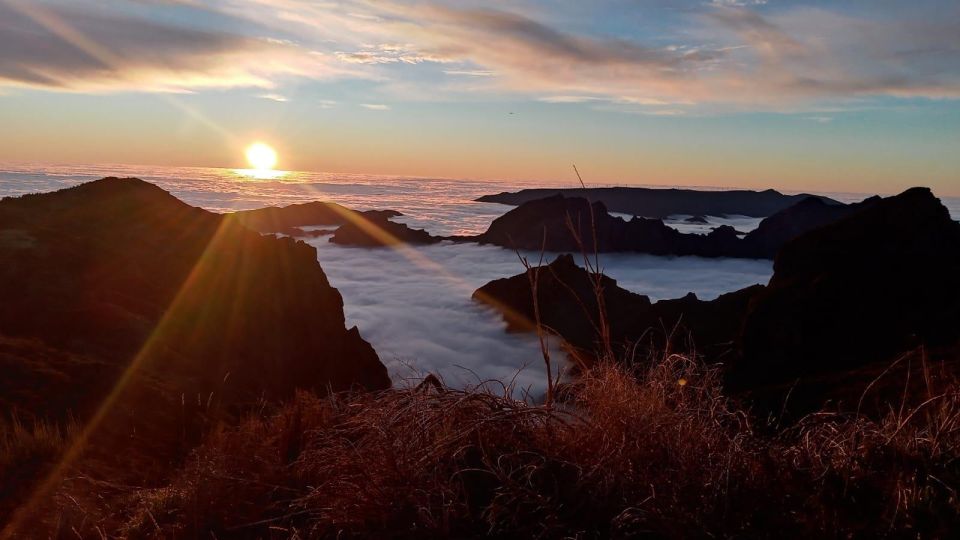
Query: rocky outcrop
[[556, 223], [118, 289], [569, 308], [372, 228], [662, 203], [847, 298], [860, 290], [789, 223], [289, 219], [374, 231]]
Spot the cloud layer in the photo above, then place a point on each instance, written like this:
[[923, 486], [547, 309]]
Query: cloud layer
[[726, 55], [425, 322], [81, 48]]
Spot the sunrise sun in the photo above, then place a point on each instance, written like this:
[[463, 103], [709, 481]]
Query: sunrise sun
[[263, 161], [261, 157]]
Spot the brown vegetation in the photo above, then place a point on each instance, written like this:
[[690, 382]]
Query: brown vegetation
[[655, 453]]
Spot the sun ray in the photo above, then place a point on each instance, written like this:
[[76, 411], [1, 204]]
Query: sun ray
[[74, 450]]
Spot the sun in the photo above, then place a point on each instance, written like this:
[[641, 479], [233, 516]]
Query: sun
[[261, 157]]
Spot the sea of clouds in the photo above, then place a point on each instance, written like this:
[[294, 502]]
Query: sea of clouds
[[414, 305]]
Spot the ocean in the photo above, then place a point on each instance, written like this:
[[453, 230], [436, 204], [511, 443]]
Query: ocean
[[415, 305]]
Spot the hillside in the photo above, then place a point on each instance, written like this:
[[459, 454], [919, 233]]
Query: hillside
[[153, 320]]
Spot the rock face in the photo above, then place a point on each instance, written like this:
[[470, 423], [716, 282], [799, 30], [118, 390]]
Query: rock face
[[846, 299], [371, 228], [862, 289], [375, 231], [289, 219], [116, 284], [547, 223], [662, 203], [789, 223], [568, 306]]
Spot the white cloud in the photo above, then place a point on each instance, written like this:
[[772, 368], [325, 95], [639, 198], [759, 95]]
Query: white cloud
[[470, 72], [427, 320], [375, 106], [389, 54], [737, 3], [70, 48], [733, 55]]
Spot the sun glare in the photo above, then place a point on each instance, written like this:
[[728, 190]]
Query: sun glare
[[261, 157]]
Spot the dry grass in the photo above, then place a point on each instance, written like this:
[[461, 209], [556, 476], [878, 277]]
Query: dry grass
[[659, 453], [27, 449], [650, 451]]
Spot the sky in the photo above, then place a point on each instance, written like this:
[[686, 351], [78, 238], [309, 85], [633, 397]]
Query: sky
[[857, 96]]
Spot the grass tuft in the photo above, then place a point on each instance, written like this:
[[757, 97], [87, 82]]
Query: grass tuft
[[658, 452]]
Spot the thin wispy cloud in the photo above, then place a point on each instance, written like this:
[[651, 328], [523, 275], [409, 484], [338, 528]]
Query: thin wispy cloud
[[725, 54], [470, 72], [68, 47], [274, 97], [375, 106], [389, 54]]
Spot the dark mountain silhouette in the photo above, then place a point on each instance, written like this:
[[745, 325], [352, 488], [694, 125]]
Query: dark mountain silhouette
[[662, 203], [862, 289], [568, 306], [289, 219], [117, 295], [379, 231], [846, 299], [371, 228], [546, 223], [791, 222]]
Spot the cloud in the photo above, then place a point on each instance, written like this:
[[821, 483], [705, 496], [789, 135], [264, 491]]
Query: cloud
[[744, 59], [737, 3], [274, 97], [418, 318], [717, 55], [810, 53], [389, 54], [375, 106], [470, 72], [820, 119], [80, 48]]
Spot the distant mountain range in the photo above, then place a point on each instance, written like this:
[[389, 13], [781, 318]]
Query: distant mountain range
[[662, 203], [846, 298]]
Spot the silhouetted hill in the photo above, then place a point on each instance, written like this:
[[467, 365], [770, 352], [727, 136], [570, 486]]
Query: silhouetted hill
[[793, 221], [289, 219], [662, 203], [860, 290], [846, 299], [547, 223], [568, 306], [379, 231], [117, 296]]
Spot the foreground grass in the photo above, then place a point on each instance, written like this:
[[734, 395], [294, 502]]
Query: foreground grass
[[28, 447], [659, 453]]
